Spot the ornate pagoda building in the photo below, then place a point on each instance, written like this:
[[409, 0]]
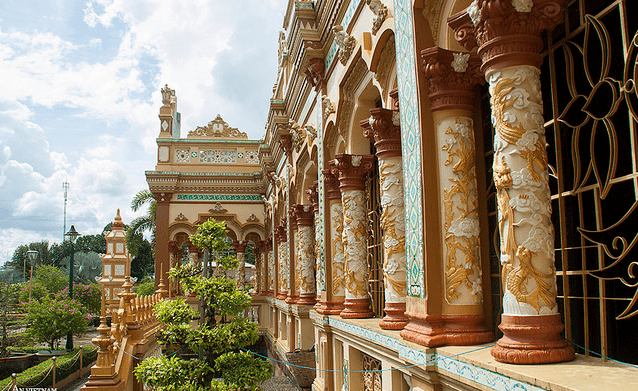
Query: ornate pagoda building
[[213, 172]]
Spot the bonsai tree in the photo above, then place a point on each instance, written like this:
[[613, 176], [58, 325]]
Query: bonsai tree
[[219, 338]]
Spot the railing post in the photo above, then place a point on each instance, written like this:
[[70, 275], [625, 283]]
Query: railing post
[[54, 368], [81, 355]]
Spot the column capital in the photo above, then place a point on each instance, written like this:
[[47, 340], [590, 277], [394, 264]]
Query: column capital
[[452, 78], [263, 245], [293, 219], [384, 129], [240, 245], [313, 196], [304, 214], [352, 170], [280, 234], [507, 33], [331, 181]]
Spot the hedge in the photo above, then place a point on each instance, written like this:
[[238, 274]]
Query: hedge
[[41, 375]]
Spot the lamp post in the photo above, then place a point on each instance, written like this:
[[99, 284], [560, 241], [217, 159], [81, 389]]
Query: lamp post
[[72, 236], [33, 256]]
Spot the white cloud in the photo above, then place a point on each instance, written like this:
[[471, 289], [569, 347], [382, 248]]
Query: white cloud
[[80, 100]]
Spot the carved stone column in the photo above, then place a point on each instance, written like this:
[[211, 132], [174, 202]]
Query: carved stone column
[[293, 261], [383, 128], [282, 276], [508, 35], [262, 268], [334, 302], [352, 170], [240, 251], [271, 268], [305, 255], [313, 197], [453, 78]]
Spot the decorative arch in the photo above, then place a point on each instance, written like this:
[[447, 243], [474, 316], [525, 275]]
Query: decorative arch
[[180, 227], [253, 232], [350, 87]]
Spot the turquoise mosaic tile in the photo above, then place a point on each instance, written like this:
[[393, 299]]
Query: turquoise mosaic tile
[[345, 22], [321, 246], [411, 144], [450, 364], [352, 9], [219, 197]]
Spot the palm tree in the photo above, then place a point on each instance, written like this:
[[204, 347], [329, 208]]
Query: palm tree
[[146, 222]]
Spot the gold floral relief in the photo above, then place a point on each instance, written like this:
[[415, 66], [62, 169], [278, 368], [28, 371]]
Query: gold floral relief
[[354, 234], [338, 280], [516, 281], [460, 215], [501, 101]]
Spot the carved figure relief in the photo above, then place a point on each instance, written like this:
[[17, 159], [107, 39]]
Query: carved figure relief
[[393, 227], [306, 257], [328, 107], [461, 222], [521, 181], [338, 256], [354, 238], [380, 11], [344, 42]]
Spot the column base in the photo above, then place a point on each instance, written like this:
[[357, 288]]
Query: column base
[[292, 299], [281, 295], [307, 299], [532, 340], [440, 330], [330, 307], [395, 317], [356, 309]]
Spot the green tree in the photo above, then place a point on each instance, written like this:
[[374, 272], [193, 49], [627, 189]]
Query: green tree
[[53, 278], [8, 303], [95, 243], [33, 288], [143, 263], [51, 319], [20, 260], [221, 336], [146, 222], [146, 287]]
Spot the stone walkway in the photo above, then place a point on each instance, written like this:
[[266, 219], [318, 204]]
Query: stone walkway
[[76, 385], [280, 383]]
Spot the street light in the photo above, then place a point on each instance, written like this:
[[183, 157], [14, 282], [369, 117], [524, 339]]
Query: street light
[[33, 256], [72, 236]]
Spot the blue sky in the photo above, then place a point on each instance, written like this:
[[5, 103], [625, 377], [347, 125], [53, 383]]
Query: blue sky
[[81, 94]]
